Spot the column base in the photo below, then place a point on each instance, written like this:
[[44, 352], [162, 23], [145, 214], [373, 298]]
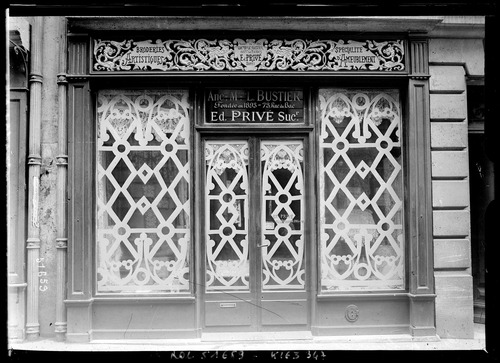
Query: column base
[[60, 330], [32, 331]]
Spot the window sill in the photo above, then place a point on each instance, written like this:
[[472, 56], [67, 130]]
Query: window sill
[[143, 299], [362, 296]]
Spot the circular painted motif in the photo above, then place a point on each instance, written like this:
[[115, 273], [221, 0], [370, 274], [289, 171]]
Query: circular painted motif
[[351, 313]]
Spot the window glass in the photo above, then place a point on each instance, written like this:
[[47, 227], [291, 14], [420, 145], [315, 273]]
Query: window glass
[[143, 191], [226, 215], [361, 208], [283, 264]]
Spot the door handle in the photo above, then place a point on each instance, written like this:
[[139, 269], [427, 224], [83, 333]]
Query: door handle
[[264, 245]]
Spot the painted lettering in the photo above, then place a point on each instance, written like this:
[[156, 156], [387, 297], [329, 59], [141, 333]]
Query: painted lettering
[[269, 96], [235, 115], [41, 273]]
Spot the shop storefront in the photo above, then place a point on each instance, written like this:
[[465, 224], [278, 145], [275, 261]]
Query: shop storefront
[[249, 183], [247, 176]]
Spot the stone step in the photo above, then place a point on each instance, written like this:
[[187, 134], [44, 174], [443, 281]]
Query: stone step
[[256, 336]]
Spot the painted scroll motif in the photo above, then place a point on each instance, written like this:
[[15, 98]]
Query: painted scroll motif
[[247, 55]]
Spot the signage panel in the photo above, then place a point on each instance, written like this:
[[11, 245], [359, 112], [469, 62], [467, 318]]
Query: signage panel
[[254, 105], [248, 55]]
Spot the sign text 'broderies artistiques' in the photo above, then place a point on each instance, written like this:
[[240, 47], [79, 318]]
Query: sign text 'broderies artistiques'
[[248, 55]]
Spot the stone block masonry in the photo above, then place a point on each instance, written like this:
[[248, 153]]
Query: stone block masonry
[[450, 62]]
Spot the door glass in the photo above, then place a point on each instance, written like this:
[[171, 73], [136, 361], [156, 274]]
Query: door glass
[[142, 191], [226, 215], [282, 215], [361, 190]]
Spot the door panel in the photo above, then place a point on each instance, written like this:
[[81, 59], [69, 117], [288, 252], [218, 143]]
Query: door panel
[[226, 213], [235, 313], [284, 312], [254, 235], [282, 215]]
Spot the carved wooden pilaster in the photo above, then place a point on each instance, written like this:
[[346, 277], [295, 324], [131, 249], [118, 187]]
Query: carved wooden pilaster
[[34, 162], [420, 246], [80, 137], [419, 58], [77, 55], [62, 166], [80, 210]]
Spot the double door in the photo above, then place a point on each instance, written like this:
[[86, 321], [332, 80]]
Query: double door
[[254, 234]]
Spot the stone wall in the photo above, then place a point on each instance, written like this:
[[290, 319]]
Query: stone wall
[[450, 62]]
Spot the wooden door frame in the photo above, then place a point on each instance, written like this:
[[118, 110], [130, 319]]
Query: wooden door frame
[[254, 138]]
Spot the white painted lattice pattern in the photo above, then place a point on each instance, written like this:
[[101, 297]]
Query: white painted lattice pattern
[[143, 191], [226, 213], [362, 245], [283, 215]]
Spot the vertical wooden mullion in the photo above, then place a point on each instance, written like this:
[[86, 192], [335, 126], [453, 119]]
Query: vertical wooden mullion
[[90, 202], [317, 178], [254, 219], [81, 179], [198, 222], [80, 191], [312, 169]]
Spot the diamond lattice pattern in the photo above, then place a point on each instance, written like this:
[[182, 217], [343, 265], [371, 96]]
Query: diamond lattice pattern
[[226, 213], [143, 191], [283, 215], [361, 189]]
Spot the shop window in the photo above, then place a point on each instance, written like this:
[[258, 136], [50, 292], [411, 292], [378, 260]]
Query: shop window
[[361, 192], [143, 201]]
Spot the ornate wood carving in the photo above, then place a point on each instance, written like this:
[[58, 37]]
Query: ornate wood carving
[[247, 55], [78, 59], [419, 55]]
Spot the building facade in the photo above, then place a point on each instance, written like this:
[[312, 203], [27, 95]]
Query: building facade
[[184, 177]]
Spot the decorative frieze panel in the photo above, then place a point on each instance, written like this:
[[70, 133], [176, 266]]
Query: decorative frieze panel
[[361, 209], [247, 55], [143, 191]]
